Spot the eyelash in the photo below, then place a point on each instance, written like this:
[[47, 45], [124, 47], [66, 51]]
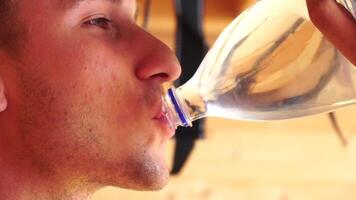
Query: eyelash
[[100, 22]]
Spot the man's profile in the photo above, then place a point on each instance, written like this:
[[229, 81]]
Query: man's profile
[[80, 99]]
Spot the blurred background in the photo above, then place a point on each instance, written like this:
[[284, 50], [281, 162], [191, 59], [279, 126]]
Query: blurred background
[[301, 159]]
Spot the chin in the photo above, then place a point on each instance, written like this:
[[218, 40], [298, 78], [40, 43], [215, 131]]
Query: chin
[[157, 185], [153, 177], [148, 182], [145, 172]]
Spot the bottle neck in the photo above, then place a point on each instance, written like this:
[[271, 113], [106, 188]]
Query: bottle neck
[[174, 110], [182, 106]]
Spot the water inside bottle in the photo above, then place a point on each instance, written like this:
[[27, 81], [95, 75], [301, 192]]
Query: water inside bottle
[[270, 64]]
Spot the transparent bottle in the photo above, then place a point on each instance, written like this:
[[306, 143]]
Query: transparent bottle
[[270, 63]]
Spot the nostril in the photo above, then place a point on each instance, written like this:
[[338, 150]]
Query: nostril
[[160, 76]]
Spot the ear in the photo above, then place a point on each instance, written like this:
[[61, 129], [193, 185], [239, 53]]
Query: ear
[[3, 100]]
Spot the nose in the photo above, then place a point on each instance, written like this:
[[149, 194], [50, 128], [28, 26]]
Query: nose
[[155, 60]]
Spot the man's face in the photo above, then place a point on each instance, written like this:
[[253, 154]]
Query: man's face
[[88, 92]]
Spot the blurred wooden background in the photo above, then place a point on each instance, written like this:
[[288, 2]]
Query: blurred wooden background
[[298, 159]]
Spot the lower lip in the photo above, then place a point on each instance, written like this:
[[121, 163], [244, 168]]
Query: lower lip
[[164, 124]]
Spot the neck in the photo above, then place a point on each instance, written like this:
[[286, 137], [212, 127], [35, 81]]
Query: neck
[[39, 190], [22, 179]]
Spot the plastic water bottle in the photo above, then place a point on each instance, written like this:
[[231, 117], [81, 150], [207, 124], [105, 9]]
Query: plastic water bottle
[[270, 63]]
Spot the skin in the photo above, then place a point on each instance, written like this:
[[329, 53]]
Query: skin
[[80, 101], [336, 23]]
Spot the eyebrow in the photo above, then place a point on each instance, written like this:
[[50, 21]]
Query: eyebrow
[[69, 4]]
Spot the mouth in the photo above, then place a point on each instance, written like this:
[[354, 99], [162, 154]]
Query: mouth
[[161, 118]]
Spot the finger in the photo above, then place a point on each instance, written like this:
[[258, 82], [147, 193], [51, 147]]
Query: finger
[[336, 23]]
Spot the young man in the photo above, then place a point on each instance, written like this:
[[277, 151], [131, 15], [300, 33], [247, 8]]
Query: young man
[[80, 98]]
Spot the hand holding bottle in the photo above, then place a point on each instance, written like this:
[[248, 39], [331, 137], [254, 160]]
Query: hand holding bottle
[[336, 23]]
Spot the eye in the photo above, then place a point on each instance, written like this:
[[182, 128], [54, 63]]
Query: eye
[[100, 22]]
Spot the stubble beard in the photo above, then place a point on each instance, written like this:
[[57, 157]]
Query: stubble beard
[[139, 170]]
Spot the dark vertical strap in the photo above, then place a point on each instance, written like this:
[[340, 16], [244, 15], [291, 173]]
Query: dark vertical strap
[[190, 49], [335, 124]]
